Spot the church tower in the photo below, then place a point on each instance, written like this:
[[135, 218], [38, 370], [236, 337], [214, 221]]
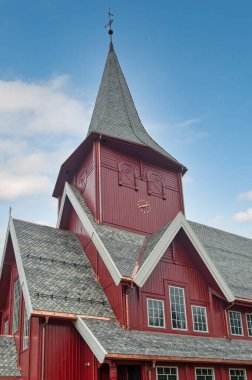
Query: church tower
[[126, 179]]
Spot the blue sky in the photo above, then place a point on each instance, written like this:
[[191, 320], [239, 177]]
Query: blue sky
[[188, 66]]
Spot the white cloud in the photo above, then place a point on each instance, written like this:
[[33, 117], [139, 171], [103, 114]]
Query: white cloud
[[246, 196], [45, 107], [35, 118], [243, 216]]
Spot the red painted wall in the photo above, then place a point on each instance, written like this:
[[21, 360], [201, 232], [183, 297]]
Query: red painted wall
[[180, 267], [114, 195], [113, 292], [67, 357]]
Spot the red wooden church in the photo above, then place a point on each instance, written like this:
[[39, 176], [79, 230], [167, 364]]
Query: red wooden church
[[125, 287]]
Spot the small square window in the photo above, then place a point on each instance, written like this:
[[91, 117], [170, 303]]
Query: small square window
[[249, 323], [235, 323], [155, 313], [237, 374], [204, 374], [199, 317], [167, 373]]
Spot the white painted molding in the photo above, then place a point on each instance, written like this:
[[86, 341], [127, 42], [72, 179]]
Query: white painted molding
[[4, 250], [160, 248], [93, 343], [20, 268], [112, 268]]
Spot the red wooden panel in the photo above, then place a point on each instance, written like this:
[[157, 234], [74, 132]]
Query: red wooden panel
[[66, 354], [177, 268], [113, 292], [121, 208]]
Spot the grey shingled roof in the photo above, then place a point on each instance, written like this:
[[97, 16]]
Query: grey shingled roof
[[231, 254], [115, 340], [8, 357], [115, 113], [123, 246], [55, 264]]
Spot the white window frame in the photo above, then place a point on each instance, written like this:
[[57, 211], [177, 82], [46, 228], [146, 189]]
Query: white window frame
[[155, 299], [167, 366], [200, 331], [204, 368], [249, 335], [238, 312], [6, 324], [238, 369], [176, 328], [16, 307], [25, 330]]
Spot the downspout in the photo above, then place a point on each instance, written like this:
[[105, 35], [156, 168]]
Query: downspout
[[127, 305], [226, 319], [43, 348], [99, 179]]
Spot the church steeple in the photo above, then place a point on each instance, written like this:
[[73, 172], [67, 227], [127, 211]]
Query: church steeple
[[114, 113]]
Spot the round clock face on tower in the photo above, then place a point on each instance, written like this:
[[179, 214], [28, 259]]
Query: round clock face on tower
[[144, 206]]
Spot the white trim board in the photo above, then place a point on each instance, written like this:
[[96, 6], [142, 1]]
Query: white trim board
[[4, 250], [20, 268], [160, 248], [96, 347], [112, 268]]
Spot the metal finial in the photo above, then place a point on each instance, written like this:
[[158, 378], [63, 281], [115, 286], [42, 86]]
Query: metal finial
[[10, 211], [110, 32]]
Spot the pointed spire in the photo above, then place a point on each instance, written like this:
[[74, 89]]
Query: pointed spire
[[114, 113]]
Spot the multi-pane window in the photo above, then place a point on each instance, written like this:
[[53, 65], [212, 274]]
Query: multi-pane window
[[16, 304], [199, 318], [167, 373], [178, 312], [249, 323], [6, 328], [235, 323], [204, 374], [156, 313], [26, 331], [237, 374]]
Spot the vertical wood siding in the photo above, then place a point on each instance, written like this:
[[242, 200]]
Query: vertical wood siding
[[120, 203], [67, 357]]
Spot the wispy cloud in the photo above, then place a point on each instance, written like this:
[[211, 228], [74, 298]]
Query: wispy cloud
[[243, 216], [184, 132], [246, 196], [35, 119]]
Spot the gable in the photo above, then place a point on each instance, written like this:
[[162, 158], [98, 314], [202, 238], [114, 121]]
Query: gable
[[160, 244]]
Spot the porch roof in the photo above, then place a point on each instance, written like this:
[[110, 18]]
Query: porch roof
[[107, 338]]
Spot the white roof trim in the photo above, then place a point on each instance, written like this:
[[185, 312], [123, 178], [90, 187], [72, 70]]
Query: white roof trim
[[20, 268], [96, 347], [113, 270], [160, 248], [4, 250]]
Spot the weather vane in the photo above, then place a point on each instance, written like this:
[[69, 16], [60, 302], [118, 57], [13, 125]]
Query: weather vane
[[110, 32]]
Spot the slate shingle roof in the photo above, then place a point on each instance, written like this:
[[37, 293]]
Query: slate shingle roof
[[115, 113], [55, 264], [8, 357], [115, 340], [123, 246], [231, 254]]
